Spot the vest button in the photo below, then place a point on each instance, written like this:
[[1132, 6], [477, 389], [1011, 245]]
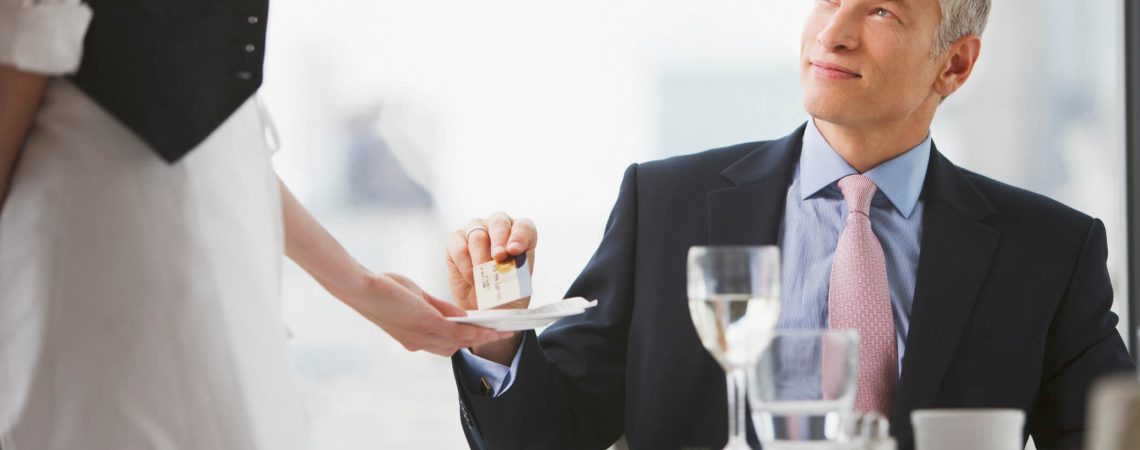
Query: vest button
[[249, 48], [244, 75], [252, 20]]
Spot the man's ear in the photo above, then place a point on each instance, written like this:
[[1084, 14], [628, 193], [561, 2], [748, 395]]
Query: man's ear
[[957, 64]]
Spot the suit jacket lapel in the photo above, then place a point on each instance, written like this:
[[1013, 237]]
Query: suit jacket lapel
[[749, 212], [954, 260]]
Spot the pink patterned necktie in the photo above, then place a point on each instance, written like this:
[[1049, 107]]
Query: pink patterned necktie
[[859, 298]]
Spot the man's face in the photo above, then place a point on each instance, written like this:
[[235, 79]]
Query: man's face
[[869, 61]]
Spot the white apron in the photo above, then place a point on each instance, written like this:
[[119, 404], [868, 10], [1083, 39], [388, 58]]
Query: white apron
[[139, 301]]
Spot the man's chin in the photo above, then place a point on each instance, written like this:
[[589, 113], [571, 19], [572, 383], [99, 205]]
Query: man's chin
[[830, 109]]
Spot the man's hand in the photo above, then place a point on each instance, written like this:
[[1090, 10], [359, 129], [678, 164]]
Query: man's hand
[[415, 318], [495, 237]]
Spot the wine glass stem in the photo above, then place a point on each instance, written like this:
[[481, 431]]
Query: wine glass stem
[[736, 421]]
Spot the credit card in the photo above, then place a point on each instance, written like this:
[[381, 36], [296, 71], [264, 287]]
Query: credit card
[[499, 283]]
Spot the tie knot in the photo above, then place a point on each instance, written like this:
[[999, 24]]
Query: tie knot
[[858, 190]]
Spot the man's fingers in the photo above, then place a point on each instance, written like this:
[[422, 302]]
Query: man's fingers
[[458, 255], [499, 226], [478, 242], [524, 237]]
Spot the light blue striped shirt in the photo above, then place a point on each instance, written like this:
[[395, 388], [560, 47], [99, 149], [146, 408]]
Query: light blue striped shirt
[[815, 215]]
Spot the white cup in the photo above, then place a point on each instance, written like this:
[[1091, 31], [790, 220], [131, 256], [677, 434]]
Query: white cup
[[974, 429], [1114, 412]]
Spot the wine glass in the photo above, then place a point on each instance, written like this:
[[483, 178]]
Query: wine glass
[[734, 301]]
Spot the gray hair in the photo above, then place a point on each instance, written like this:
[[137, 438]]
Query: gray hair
[[960, 18]]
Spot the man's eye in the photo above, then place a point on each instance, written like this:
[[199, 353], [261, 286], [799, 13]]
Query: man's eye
[[882, 12]]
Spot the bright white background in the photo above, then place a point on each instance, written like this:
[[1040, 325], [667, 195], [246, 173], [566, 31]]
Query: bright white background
[[536, 108]]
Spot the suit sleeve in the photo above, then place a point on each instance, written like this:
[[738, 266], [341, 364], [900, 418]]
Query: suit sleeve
[[1082, 345], [570, 387]]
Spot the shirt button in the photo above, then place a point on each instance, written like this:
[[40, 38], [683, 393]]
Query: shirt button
[[252, 20], [244, 75], [249, 48]]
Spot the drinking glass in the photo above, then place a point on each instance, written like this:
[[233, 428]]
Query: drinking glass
[[802, 389], [734, 303]]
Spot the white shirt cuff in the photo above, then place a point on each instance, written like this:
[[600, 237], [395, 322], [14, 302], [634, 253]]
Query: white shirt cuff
[[498, 376], [45, 38]]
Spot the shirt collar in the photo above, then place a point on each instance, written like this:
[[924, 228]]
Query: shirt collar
[[899, 179]]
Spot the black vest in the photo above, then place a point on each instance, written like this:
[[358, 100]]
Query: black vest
[[173, 70]]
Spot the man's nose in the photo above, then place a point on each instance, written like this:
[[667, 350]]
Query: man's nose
[[841, 32]]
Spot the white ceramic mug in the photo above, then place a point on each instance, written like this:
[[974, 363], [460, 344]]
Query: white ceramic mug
[[1114, 412], [974, 429]]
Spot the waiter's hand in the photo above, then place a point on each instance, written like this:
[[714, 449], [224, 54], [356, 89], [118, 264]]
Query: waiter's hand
[[415, 318], [497, 237]]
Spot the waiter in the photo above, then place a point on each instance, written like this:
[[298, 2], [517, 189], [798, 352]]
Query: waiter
[[141, 233]]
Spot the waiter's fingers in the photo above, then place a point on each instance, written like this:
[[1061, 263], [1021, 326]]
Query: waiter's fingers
[[446, 346]]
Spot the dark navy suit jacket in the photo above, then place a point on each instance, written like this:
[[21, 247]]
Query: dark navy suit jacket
[[1011, 309]]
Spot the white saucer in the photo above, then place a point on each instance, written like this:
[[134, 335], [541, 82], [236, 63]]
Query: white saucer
[[526, 319]]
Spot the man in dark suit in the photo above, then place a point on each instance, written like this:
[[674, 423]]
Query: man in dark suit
[[997, 297]]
